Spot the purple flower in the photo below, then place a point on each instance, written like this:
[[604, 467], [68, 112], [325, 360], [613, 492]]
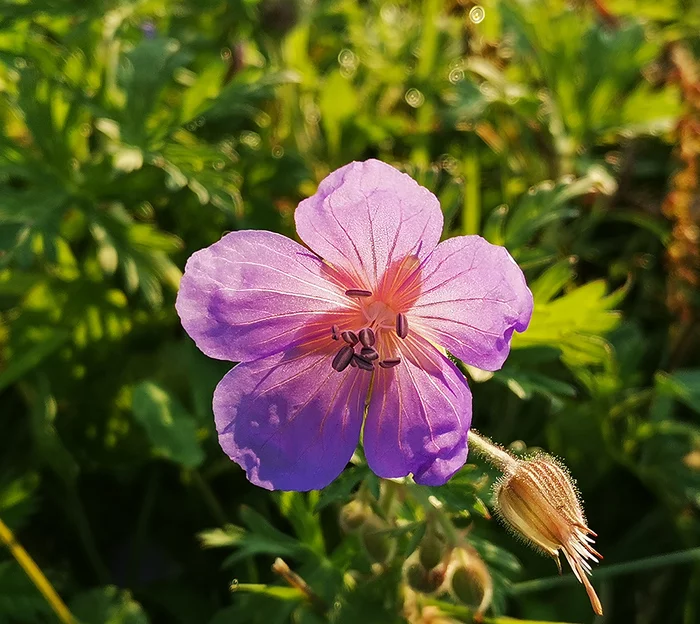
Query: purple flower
[[351, 326]]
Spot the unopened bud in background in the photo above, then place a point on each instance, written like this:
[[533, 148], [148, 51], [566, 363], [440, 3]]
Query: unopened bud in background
[[379, 545], [537, 499], [421, 579], [432, 549], [470, 580], [353, 515]]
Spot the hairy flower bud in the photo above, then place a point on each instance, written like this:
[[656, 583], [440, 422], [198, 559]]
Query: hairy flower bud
[[537, 499]]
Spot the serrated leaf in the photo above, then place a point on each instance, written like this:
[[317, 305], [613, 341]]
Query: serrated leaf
[[298, 508], [259, 538], [339, 490]]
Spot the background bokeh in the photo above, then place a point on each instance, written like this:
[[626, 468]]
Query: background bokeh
[[134, 132]]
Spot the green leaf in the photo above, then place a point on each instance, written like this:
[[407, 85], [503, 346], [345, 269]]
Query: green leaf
[[339, 490], [260, 538], [20, 600], [574, 323], [683, 385], [33, 357], [170, 428], [17, 500], [144, 73], [298, 508], [108, 605]]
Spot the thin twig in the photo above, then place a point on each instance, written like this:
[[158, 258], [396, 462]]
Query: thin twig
[[33, 571]]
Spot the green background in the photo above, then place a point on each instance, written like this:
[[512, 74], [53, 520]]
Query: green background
[[136, 132]]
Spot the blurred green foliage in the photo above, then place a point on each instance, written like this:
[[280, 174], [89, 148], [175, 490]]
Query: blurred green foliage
[[135, 132]]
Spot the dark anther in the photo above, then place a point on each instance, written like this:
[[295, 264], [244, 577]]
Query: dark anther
[[353, 363], [335, 332], [343, 358], [363, 363], [369, 353], [350, 337], [367, 337], [401, 325], [358, 292], [390, 363]]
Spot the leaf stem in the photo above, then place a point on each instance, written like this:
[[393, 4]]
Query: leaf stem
[[35, 574]]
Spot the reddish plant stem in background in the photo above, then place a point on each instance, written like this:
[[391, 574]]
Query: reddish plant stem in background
[[605, 14], [682, 205]]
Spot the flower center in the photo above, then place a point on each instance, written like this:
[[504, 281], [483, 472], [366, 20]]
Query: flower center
[[372, 342]]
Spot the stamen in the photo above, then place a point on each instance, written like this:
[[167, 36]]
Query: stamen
[[350, 337], [353, 363], [390, 363], [358, 292], [343, 358], [335, 332], [362, 363], [369, 353], [401, 325], [367, 337]]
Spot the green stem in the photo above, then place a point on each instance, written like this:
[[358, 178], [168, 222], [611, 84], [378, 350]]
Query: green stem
[[426, 66], [471, 208], [619, 569], [86, 536], [142, 525], [217, 511], [492, 453], [429, 39], [422, 495]]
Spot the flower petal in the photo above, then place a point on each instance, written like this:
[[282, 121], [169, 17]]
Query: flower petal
[[254, 293], [473, 296], [367, 216], [290, 421], [419, 417]]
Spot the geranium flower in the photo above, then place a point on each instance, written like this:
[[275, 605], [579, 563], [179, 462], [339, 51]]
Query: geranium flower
[[351, 330]]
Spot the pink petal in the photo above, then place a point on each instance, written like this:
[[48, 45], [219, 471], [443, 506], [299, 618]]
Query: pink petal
[[366, 217], [419, 417], [290, 421], [254, 293], [473, 296]]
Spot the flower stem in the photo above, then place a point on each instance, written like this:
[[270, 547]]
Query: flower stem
[[619, 569], [492, 453], [35, 574], [422, 495]]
